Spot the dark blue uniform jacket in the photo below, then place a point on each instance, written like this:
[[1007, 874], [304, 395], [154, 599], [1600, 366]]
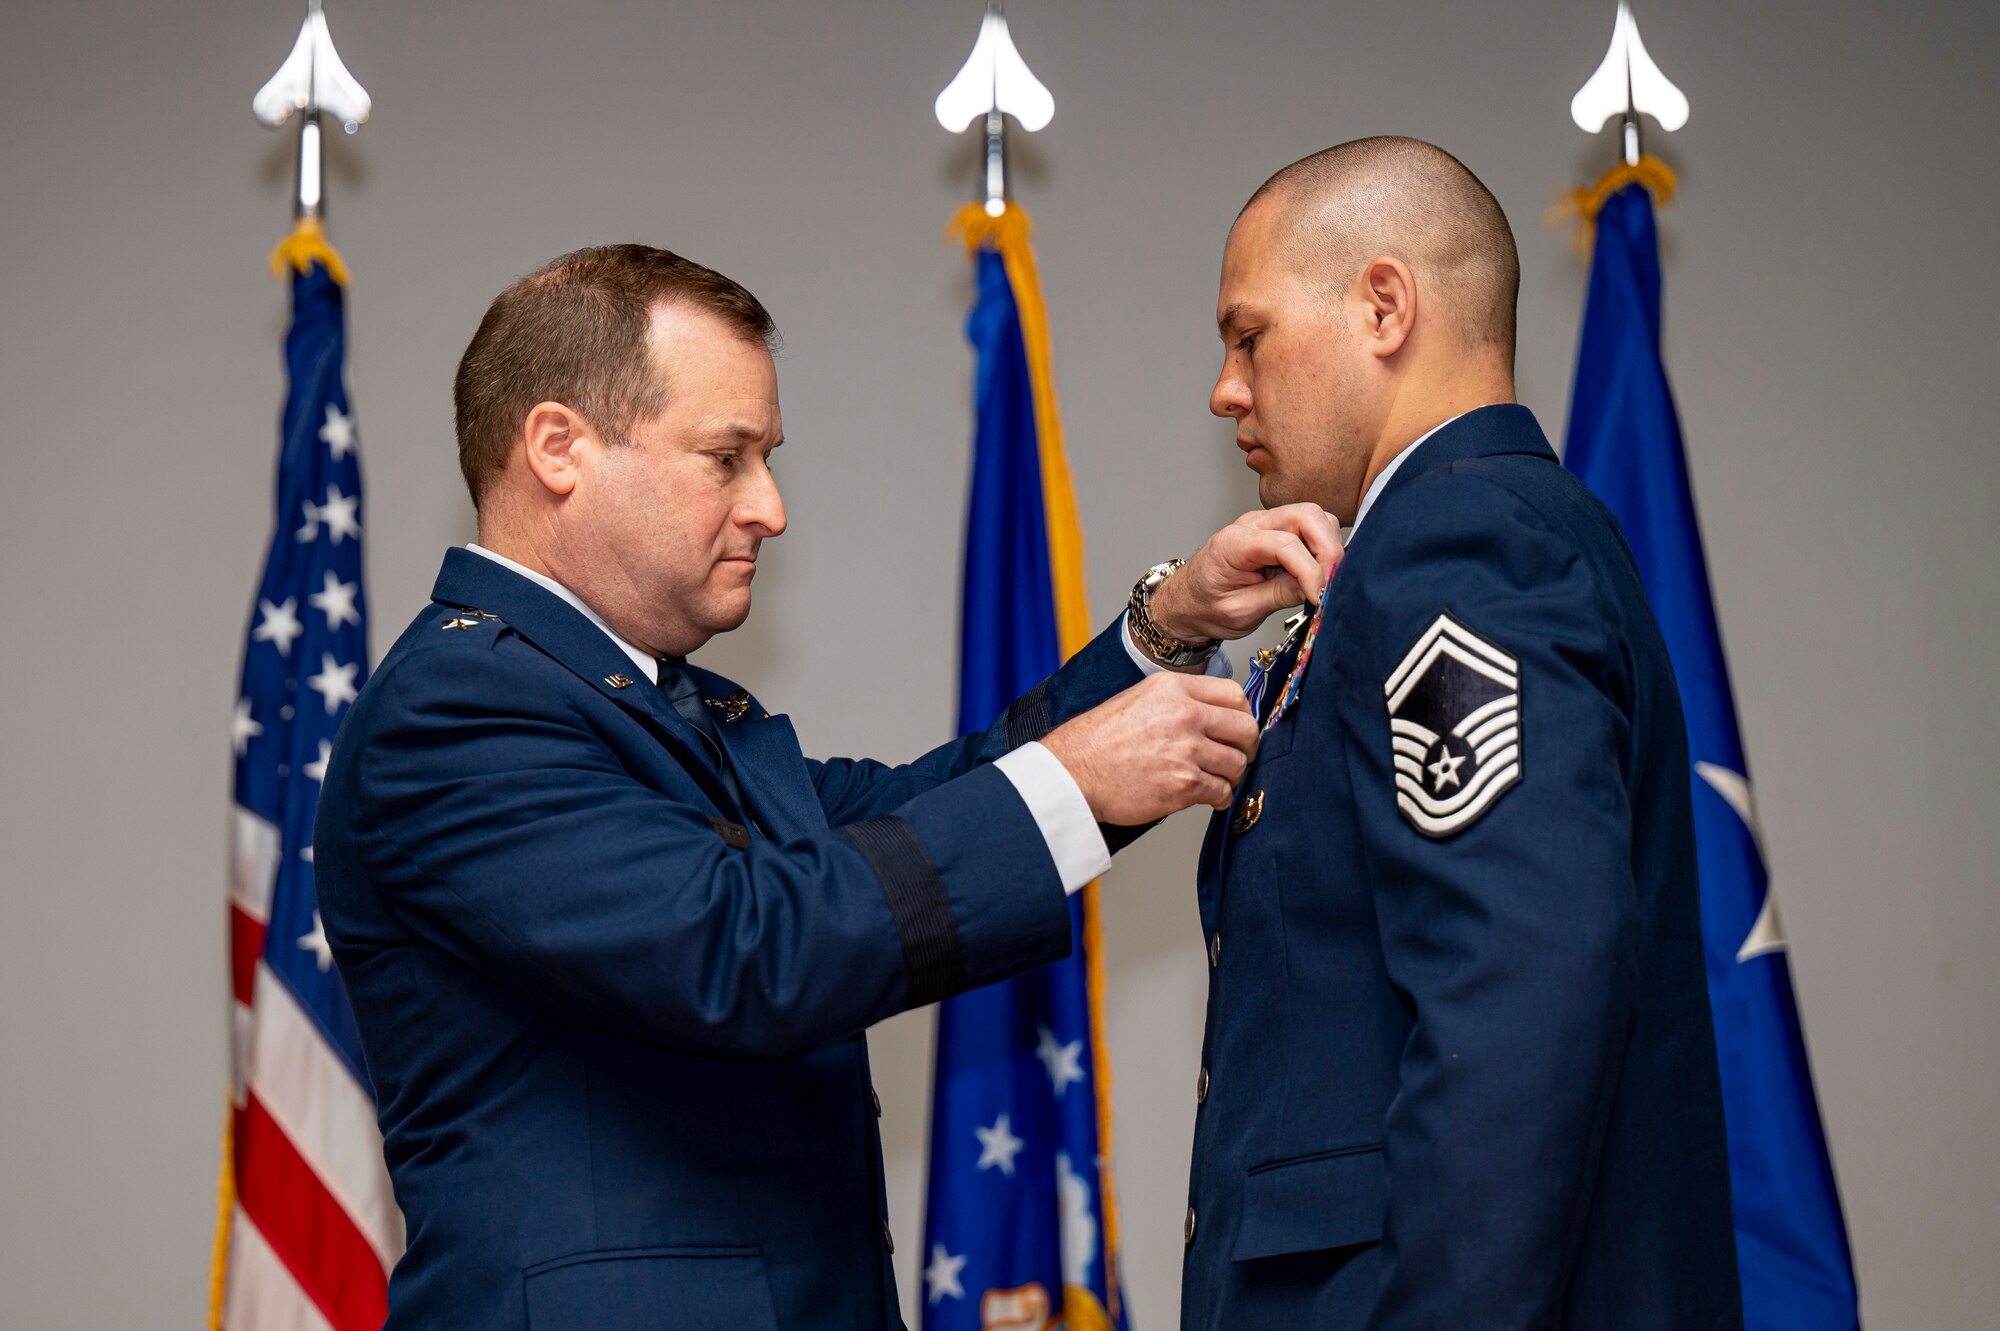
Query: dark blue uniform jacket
[[1459, 1068], [613, 1020]]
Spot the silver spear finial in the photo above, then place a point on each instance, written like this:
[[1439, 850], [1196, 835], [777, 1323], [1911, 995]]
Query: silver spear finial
[[315, 82], [1627, 83], [993, 84]]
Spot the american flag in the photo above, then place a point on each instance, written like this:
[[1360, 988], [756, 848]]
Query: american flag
[[309, 1227]]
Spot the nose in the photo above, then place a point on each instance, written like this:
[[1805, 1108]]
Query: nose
[[764, 510], [1231, 395]]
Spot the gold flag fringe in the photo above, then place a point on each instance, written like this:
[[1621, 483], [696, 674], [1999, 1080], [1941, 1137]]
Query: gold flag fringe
[[1580, 207], [225, 1212], [306, 246]]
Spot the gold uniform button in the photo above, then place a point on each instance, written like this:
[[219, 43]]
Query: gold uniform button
[[888, 1240], [1215, 950], [875, 1102], [1248, 810], [1187, 1230], [1201, 1088]]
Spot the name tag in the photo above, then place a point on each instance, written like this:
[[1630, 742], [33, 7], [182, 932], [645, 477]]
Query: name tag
[[732, 834]]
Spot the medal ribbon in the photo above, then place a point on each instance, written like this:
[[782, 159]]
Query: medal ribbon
[[1253, 688]]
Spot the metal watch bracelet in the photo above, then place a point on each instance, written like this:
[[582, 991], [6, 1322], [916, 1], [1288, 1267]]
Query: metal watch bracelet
[[1167, 650]]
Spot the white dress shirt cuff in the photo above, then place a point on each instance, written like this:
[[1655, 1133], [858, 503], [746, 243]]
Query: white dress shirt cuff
[[1060, 811], [1218, 665]]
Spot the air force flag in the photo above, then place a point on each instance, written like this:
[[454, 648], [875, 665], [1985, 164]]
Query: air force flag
[[1021, 1230], [1625, 443]]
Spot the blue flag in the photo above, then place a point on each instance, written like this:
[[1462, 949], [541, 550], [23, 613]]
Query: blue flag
[[1019, 1228], [1625, 443]]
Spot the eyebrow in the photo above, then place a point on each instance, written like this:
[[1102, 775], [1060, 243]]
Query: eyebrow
[[1229, 317], [741, 431]]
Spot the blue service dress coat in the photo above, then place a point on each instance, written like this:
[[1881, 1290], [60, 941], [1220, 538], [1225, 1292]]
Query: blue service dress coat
[[613, 1019], [1459, 1072]]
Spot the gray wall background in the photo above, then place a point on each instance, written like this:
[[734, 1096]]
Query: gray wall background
[[1829, 329]]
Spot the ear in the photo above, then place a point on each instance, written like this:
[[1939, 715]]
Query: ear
[[1389, 295], [552, 439]]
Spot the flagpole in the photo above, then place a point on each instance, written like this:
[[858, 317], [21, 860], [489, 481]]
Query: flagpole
[[312, 83], [1794, 1264]]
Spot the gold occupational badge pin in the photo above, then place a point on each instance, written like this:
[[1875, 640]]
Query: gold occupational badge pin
[[618, 681], [460, 623], [733, 707]]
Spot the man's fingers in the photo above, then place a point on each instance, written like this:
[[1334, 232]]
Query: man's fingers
[[1275, 594], [1215, 792], [1235, 730], [1223, 760], [1313, 525], [1321, 534], [1285, 550], [1214, 691]]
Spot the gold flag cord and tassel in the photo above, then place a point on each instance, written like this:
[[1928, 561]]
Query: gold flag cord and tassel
[[306, 246], [1580, 207], [225, 1213]]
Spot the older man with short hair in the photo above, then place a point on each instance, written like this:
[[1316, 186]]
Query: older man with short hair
[[611, 941]]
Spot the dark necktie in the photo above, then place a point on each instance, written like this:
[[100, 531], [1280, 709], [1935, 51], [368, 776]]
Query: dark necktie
[[685, 695]]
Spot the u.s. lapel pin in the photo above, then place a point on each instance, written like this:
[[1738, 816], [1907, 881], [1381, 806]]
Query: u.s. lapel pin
[[619, 681], [733, 707]]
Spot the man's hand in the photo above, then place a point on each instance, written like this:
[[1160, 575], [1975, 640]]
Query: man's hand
[[1263, 562], [1166, 744]]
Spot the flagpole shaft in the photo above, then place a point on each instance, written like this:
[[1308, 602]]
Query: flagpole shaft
[[996, 162], [309, 199]]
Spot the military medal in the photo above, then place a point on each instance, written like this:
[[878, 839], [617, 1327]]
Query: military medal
[[1260, 664], [1296, 680]]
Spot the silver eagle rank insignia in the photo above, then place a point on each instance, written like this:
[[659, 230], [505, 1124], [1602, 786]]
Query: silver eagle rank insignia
[[1454, 726]]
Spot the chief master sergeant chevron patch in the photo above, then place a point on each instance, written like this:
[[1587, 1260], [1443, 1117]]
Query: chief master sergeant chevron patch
[[1455, 727]]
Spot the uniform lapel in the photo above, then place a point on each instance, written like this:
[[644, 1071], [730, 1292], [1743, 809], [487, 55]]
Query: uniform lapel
[[1216, 846], [472, 582], [764, 749]]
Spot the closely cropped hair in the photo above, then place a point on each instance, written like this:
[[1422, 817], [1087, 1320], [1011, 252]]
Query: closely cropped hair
[[577, 331], [1403, 196]]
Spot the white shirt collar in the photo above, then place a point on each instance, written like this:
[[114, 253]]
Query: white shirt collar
[[646, 664], [1375, 490]]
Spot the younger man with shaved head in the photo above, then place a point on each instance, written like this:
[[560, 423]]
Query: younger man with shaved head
[[1459, 1071]]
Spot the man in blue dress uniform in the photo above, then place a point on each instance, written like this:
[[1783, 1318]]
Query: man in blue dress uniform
[[610, 940], [1459, 1072]]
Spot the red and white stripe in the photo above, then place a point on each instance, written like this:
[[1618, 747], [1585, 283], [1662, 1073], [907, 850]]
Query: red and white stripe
[[316, 1228]]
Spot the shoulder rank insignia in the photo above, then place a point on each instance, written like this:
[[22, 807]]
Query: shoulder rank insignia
[[1454, 726], [469, 618], [733, 707]]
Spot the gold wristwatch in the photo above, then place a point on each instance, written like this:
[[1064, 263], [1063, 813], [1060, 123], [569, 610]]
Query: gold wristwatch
[[1168, 651]]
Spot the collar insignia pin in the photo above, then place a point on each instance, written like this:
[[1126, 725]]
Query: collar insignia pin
[[618, 681]]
